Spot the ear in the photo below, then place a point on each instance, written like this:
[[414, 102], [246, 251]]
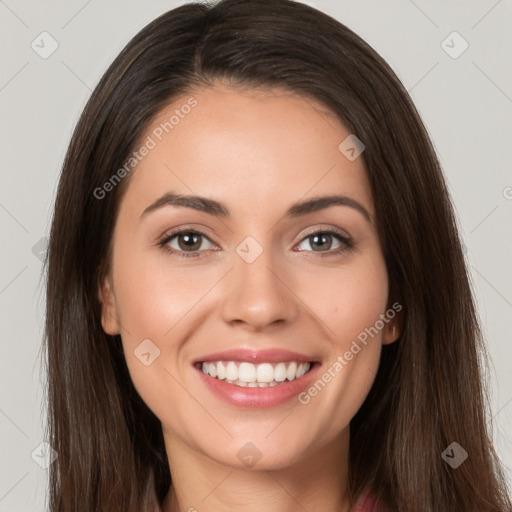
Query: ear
[[109, 316], [394, 327]]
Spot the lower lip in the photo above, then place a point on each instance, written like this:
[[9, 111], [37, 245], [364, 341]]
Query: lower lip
[[258, 398]]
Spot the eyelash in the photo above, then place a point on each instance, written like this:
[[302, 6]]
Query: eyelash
[[347, 244]]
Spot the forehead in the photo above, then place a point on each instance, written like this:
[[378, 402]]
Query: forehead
[[251, 149]]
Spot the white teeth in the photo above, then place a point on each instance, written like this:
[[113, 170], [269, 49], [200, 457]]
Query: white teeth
[[280, 372], [263, 375], [221, 370], [246, 372], [232, 371], [212, 369], [291, 371]]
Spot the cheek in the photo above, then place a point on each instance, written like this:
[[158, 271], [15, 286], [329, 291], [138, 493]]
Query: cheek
[[351, 307], [162, 302], [153, 301], [153, 295], [351, 299]]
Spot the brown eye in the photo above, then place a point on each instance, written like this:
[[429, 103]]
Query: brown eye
[[189, 241], [182, 242]]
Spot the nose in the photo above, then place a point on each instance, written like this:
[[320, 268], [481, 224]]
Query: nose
[[258, 294]]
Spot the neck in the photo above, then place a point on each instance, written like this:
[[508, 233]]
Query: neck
[[315, 481]]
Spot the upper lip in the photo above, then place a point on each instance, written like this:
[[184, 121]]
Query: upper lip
[[269, 355]]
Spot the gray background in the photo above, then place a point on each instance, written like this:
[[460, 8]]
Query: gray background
[[465, 102]]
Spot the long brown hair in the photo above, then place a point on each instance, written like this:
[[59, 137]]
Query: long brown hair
[[428, 391]]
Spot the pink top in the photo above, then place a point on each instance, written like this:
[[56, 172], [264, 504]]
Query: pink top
[[367, 504]]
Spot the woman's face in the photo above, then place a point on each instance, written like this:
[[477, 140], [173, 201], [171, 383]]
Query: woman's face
[[272, 284]]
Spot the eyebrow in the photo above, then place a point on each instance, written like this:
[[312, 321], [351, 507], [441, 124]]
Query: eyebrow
[[217, 209]]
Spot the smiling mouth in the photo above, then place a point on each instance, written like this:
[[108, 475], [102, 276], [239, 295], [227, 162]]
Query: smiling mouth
[[244, 374]]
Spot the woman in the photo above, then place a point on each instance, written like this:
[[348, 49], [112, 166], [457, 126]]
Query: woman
[[205, 351]]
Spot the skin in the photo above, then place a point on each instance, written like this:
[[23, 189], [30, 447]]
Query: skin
[[257, 152]]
